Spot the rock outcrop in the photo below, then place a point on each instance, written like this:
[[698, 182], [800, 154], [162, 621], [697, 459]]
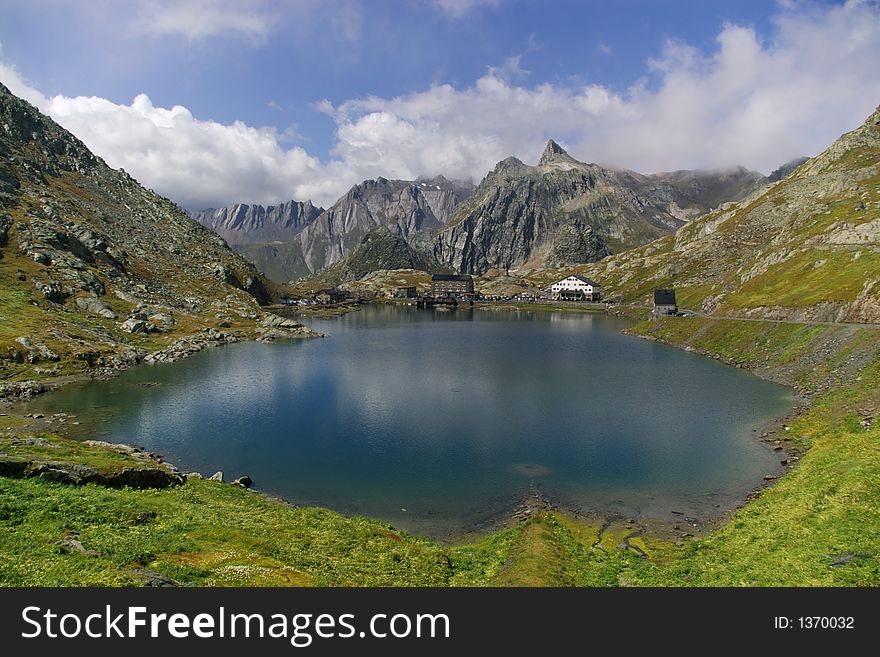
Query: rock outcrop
[[135, 468], [564, 212]]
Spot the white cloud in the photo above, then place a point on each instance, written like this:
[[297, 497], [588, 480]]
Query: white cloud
[[603, 48], [198, 19], [510, 70], [748, 102], [196, 163], [457, 8]]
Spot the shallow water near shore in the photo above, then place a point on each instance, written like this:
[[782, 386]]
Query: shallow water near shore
[[440, 422]]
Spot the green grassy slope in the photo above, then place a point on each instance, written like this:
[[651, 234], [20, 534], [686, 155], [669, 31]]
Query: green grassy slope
[[828, 506]]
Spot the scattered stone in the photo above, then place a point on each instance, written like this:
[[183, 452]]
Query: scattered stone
[[71, 543], [276, 321], [193, 476], [191, 344], [217, 476], [95, 307], [21, 389], [37, 351], [34, 441], [52, 291], [243, 482], [151, 577], [842, 559], [133, 325], [769, 477]]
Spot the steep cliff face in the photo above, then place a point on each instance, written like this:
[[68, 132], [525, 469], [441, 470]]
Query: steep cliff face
[[93, 266], [563, 211], [253, 224], [407, 208], [805, 248]]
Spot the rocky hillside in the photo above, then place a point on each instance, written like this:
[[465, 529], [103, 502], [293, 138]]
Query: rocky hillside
[[96, 270], [806, 247], [380, 249], [407, 208], [563, 211], [250, 224]]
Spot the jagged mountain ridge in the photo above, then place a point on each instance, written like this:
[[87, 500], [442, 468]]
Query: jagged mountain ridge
[[84, 246], [523, 215], [804, 248], [297, 239], [253, 224], [407, 208]]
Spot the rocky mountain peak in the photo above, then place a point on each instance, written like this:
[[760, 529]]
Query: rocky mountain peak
[[552, 153], [509, 165]]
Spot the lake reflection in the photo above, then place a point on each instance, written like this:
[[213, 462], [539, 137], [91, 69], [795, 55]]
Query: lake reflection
[[437, 422]]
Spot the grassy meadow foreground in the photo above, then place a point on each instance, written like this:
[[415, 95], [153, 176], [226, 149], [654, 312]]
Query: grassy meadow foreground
[[819, 525]]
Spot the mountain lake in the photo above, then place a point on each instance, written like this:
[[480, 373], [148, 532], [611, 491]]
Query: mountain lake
[[443, 422]]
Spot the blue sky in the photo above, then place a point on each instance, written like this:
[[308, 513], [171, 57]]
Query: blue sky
[[217, 101]]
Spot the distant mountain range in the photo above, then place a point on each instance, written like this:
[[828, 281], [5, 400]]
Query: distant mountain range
[[298, 239], [559, 212], [250, 224]]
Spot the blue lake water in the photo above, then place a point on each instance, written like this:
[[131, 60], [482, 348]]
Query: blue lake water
[[439, 422]]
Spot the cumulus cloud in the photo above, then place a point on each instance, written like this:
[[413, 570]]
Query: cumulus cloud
[[749, 101], [194, 162]]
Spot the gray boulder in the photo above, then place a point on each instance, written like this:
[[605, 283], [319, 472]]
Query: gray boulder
[[94, 307], [133, 325]]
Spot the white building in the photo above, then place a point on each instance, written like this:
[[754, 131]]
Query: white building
[[575, 288]]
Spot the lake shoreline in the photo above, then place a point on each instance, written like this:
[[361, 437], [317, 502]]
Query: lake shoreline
[[512, 516]]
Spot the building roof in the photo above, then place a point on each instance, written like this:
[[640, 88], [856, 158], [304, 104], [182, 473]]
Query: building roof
[[664, 297], [451, 277], [581, 279], [407, 287]]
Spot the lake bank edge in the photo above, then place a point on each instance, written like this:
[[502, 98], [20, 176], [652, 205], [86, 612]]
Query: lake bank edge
[[653, 330]]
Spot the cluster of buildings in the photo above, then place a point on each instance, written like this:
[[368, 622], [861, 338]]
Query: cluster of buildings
[[454, 287]]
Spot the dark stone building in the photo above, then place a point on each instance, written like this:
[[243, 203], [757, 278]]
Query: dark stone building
[[331, 295], [407, 292], [452, 284], [664, 302]]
